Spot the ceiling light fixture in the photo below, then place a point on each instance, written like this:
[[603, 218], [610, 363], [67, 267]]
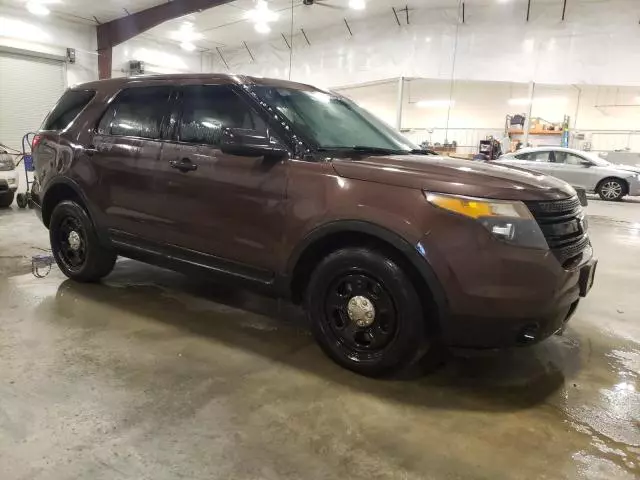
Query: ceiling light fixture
[[186, 35], [37, 8], [548, 100], [357, 4], [518, 101], [435, 103], [262, 27], [261, 13]]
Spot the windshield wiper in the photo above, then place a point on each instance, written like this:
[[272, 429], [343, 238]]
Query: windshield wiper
[[366, 149], [422, 151]]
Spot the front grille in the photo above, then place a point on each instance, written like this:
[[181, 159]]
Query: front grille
[[564, 227]]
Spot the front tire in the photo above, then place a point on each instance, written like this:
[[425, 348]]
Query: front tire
[[612, 189], [6, 199], [76, 246], [22, 200], [365, 312]]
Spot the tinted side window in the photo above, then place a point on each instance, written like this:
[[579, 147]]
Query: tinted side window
[[67, 109], [208, 109], [138, 112]]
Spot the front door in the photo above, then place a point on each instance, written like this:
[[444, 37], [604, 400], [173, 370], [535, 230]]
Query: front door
[[125, 154], [572, 169], [228, 206]]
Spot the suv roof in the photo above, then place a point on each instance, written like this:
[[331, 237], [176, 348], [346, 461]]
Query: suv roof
[[116, 83]]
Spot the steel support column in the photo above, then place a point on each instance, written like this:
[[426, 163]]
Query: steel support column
[[125, 28]]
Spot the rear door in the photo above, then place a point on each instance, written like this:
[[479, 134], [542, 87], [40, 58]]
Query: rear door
[[125, 154], [228, 206]]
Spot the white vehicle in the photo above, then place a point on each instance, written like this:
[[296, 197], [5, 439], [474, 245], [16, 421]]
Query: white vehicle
[[8, 179], [581, 169]]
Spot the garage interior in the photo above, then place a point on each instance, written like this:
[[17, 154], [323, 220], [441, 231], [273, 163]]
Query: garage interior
[[153, 374]]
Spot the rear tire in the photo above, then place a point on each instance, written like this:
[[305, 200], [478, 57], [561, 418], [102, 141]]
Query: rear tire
[[76, 246], [6, 199], [612, 189], [365, 312]]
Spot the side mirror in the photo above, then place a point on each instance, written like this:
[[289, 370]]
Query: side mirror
[[586, 163], [249, 143]]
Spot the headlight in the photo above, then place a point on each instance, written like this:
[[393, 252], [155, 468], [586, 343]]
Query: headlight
[[6, 163], [507, 220]]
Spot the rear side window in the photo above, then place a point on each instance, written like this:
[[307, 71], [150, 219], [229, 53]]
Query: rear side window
[[534, 156], [67, 109], [208, 109], [138, 112]]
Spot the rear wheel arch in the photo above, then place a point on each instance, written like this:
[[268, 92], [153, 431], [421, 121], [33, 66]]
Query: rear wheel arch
[[55, 194], [336, 235]]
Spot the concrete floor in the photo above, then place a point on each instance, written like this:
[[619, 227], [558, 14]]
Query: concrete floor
[[151, 375]]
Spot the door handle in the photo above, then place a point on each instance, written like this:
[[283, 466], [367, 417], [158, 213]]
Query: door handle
[[183, 165], [91, 150]]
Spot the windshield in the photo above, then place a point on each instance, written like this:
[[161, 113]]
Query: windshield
[[330, 121], [597, 159]]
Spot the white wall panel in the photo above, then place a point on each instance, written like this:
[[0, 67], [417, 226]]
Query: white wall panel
[[51, 36], [596, 44]]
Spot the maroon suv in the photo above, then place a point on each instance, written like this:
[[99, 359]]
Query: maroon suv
[[297, 192]]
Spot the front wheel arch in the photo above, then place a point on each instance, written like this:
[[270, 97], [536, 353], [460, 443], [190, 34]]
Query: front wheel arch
[[621, 181], [349, 233]]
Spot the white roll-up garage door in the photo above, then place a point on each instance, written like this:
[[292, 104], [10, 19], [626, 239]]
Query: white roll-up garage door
[[29, 88]]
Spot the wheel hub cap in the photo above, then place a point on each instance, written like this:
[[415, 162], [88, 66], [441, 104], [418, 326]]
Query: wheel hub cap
[[361, 311], [611, 190], [74, 241]]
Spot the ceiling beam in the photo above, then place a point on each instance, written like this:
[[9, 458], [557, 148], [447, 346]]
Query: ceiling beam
[[125, 28]]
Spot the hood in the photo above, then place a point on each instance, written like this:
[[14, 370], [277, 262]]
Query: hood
[[459, 177], [627, 168]]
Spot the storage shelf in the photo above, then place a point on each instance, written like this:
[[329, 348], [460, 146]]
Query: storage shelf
[[535, 132]]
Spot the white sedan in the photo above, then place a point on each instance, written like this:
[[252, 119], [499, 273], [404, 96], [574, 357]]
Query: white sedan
[[580, 169], [8, 180]]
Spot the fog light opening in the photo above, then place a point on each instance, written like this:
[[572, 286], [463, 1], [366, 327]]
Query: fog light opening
[[528, 334]]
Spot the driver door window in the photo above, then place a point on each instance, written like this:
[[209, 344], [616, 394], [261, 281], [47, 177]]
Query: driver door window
[[209, 109], [568, 158]]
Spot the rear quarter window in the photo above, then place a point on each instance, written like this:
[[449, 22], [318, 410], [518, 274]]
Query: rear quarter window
[[67, 109]]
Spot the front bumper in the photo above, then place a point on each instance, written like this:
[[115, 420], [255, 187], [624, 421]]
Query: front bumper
[[634, 187], [501, 296], [9, 181]]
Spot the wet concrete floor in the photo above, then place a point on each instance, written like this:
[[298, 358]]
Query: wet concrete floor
[[152, 375]]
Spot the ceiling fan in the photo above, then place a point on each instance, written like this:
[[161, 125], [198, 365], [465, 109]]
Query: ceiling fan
[[322, 4]]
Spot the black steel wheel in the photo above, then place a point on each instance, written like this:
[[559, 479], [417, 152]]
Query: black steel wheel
[[360, 314], [365, 312], [71, 242], [76, 246]]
